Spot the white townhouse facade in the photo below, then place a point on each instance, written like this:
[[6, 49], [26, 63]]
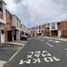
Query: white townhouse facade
[[54, 30], [24, 28], [2, 20], [18, 29]]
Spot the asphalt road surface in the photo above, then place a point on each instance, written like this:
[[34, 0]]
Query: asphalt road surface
[[41, 52]]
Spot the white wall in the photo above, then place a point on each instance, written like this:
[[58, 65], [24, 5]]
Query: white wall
[[59, 33], [18, 35], [2, 36]]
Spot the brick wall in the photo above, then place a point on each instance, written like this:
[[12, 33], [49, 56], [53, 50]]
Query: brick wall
[[63, 27], [33, 33], [47, 31], [8, 25]]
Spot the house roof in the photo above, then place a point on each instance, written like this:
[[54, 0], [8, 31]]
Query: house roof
[[3, 2]]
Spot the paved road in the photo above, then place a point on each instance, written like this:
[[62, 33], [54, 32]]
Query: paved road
[[41, 52]]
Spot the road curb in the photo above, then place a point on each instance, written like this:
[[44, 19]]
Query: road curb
[[13, 43], [2, 63], [65, 40]]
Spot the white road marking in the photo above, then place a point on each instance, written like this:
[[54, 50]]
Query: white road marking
[[57, 41], [54, 41], [56, 59], [49, 44], [65, 49], [36, 60], [51, 40], [35, 57], [48, 59], [22, 62], [15, 54], [42, 40]]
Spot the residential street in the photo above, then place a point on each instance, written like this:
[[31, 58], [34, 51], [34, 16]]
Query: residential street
[[33, 33], [41, 52]]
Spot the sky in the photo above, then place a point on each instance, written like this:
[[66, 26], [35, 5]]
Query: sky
[[38, 12]]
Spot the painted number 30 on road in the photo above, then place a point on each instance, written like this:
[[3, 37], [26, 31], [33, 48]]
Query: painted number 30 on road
[[37, 57]]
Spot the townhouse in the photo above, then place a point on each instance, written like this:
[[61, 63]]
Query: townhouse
[[34, 31], [9, 33], [16, 23], [2, 20], [40, 30], [59, 28], [47, 30], [62, 27], [13, 27], [55, 29], [10, 25], [24, 29]]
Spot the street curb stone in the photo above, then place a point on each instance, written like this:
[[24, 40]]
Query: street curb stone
[[2, 63]]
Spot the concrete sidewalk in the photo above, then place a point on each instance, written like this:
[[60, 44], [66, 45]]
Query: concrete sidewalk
[[2, 63], [14, 43], [9, 44], [62, 39], [19, 42]]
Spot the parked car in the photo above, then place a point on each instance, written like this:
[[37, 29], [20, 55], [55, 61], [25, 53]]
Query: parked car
[[23, 37]]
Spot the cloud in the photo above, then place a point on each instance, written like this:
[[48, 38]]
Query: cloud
[[36, 12], [17, 1], [43, 11], [63, 3], [43, 8], [10, 5]]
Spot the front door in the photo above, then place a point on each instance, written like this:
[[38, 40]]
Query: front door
[[15, 35], [9, 36]]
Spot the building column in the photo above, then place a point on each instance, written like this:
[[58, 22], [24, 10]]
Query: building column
[[18, 35], [0, 34], [59, 33], [50, 33], [35, 34]]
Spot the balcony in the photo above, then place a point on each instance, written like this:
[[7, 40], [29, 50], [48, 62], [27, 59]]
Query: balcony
[[53, 26]]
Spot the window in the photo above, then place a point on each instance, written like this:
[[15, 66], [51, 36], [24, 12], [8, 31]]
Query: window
[[39, 27], [58, 23], [53, 25], [2, 31], [1, 11], [46, 25], [39, 31], [1, 4], [0, 8]]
